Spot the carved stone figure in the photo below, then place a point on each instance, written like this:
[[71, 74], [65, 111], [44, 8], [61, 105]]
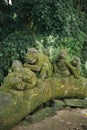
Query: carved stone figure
[[20, 77], [76, 63], [38, 63], [60, 62], [15, 104], [65, 68], [76, 66], [16, 65]]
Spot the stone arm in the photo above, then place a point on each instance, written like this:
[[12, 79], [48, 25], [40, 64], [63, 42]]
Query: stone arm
[[44, 71], [35, 68], [73, 70]]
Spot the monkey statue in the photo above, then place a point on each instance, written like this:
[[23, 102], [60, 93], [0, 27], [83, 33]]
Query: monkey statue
[[76, 64], [60, 63], [65, 68], [20, 77], [38, 63]]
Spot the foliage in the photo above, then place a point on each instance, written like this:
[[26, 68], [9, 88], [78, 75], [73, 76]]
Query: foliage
[[44, 16], [55, 43], [47, 16], [54, 24], [14, 47], [7, 24], [59, 19], [84, 59], [80, 5]]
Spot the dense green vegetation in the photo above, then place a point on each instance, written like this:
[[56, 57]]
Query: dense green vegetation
[[45, 24]]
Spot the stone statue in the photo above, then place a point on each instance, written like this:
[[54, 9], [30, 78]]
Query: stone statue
[[20, 78], [60, 62], [15, 104], [38, 63], [76, 63], [65, 68]]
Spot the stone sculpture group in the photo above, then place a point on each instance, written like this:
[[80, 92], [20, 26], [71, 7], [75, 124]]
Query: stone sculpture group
[[38, 66], [37, 81]]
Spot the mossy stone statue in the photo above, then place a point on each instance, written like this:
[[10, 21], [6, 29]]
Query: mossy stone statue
[[38, 63], [65, 68], [20, 77]]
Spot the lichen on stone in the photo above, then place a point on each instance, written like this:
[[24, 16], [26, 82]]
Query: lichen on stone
[[20, 78], [39, 63]]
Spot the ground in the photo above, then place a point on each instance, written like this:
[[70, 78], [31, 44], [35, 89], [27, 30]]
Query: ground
[[67, 119]]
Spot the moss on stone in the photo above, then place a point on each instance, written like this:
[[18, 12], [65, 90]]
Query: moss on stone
[[42, 66], [74, 102], [40, 115], [58, 104], [22, 91], [24, 79], [74, 71], [17, 104]]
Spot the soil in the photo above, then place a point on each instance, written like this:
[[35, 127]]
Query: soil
[[67, 119]]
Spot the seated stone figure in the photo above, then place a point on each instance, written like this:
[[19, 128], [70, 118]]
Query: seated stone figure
[[38, 63], [60, 62], [76, 66], [65, 68], [20, 78], [76, 63]]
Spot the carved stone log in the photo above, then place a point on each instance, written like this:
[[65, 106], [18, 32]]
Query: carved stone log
[[16, 104]]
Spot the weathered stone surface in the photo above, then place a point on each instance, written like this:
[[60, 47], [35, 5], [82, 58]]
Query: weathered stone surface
[[40, 115], [22, 92], [39, 63], [24, 102], [20, 79], [74, 102], [5, 100], [58, 104], [65, 68], [85, 103]]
